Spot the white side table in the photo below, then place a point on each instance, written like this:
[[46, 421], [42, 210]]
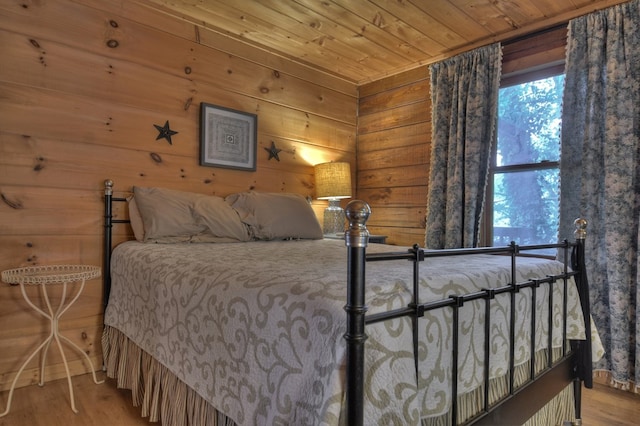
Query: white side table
[[45, 276]]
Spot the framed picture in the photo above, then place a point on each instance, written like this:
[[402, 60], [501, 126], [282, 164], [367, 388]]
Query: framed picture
[[228, 138]]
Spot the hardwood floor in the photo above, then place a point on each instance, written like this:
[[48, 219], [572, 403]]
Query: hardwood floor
[[105, 405], [98, 405], [605, 406]]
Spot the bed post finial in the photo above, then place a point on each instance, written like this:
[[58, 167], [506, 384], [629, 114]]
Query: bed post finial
[[581, 228], [357, 213], [108, 187]]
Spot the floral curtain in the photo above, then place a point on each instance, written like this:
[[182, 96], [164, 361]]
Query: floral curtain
[[600, 175], [464, 96]]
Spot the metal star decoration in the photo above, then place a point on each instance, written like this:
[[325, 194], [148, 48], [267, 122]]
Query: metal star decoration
[[273, 151], [165, 132]]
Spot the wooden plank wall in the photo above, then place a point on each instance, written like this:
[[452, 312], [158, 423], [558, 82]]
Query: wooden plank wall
[[394, 144], [82, 84], [394, 135]]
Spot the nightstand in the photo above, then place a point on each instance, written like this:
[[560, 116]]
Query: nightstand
[[44, 276], [378, 239], [374, 239]]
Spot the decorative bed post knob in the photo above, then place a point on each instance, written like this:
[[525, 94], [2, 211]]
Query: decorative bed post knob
[[357, 213], [581, 228], [108, 187]]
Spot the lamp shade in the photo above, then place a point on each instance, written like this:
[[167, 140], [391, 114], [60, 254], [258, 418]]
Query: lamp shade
[[333, 180]]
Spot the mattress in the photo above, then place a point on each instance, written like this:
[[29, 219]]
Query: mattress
[[256, 328]]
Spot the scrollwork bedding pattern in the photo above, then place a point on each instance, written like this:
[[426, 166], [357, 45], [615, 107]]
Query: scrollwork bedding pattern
[[256, 328]]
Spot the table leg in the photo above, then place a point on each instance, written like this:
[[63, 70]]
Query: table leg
[[68, 341], [15, 379], [54, 334]]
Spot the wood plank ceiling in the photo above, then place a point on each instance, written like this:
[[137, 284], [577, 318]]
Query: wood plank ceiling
[[365, 40]]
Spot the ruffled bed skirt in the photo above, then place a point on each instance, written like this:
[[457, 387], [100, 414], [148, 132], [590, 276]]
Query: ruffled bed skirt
[[163, 397], [559, 409], [160, 394]]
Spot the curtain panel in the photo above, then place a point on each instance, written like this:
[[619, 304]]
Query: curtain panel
[[464, 96], [600, 175]]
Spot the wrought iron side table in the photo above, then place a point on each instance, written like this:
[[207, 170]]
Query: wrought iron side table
[[44, 276]]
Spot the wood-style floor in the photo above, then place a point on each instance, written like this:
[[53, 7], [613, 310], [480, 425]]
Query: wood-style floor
[[105, 405]]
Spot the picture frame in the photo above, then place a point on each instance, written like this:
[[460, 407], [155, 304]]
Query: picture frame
[[228, 137]]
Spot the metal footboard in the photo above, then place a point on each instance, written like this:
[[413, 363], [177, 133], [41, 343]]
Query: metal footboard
[[576, 362]]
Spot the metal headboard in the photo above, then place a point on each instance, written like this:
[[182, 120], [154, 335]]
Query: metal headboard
[[108, 239]]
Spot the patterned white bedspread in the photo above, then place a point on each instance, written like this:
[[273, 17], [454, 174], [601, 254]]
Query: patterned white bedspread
[[257, 328]]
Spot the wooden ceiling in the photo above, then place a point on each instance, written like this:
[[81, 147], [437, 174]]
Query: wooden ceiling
[[365, 40]]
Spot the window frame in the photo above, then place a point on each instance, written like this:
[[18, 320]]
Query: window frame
[[528, 58]]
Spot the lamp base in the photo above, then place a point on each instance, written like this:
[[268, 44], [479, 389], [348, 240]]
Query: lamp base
[[334, 218]]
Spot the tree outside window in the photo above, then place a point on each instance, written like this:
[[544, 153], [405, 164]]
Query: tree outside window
[[525, 165]]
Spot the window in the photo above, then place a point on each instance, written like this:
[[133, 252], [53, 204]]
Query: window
[[523, 190], [525, 165]]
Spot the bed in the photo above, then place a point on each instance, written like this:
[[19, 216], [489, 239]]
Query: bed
[[268, 323]]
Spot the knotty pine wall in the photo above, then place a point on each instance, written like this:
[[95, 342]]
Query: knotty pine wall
[[82, 84], [394, 144]]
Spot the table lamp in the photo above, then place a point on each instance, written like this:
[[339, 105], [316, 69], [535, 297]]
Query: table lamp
[[333, 182]]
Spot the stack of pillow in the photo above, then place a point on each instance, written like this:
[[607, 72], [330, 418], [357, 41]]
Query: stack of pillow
[[161, 215]]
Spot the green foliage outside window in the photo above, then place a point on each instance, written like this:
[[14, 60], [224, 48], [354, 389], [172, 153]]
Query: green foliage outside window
[[526, 171]]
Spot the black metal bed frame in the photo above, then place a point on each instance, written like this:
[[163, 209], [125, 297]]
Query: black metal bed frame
[[108, 238], [521, 403]]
